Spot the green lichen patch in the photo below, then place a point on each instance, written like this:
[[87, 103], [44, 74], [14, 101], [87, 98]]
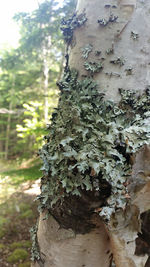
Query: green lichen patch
[[118, 61], [98, 53], [113, 74], [109, 51], [69, 25], [35, 252], [90, 145], [129, 71], [93, 67], [86, 50], [134, 35], [104, 22], [18, 255]]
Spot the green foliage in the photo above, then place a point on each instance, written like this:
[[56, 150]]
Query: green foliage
[[19, 176], [22, 78], [4, 222], [17, 255], [21, 244], [2, 246], [91, 140], [28, 214], [25, 264]]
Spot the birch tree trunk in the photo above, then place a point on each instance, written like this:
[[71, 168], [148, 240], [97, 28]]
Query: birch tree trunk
[[115, 35]]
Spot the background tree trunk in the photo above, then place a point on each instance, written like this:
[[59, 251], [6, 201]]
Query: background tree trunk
[[120, 41]]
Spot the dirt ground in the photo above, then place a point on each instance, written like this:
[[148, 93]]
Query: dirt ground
[[18, 213]]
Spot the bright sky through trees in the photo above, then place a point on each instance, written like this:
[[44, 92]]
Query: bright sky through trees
[[9, 31]]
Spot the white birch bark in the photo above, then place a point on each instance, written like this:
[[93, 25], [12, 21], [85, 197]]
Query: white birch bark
[[129, 37]]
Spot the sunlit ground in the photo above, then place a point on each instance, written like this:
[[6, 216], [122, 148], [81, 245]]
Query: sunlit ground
[[18, 211]]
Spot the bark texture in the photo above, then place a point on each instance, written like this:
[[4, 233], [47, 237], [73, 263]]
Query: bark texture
[[118, 33], [133, 18]]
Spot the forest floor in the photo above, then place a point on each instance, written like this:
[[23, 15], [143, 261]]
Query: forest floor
[[19, 187]]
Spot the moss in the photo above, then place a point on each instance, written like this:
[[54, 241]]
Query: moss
[[21, 244], [24, 207], [27, 214], [2, 246], [17, 255], [26, 244], [4, 222], [2, 233], [25, 264]]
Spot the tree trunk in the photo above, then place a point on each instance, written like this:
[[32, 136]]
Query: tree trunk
[[111, 46], [46, 77], [8, 125]]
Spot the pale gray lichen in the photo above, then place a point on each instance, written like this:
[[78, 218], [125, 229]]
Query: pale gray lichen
[[129, 71], [118, 61], [93, 67], [69, 25], [98, 53], [113, 74], [104, 22], [109, 51], [86, 50], [91, 140], [35, 252], [134, 35]]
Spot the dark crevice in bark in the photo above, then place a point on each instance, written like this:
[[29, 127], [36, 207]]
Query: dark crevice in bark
[[76, 212]]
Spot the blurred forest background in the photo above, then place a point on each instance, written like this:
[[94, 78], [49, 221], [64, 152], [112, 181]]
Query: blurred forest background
[[28, 96]]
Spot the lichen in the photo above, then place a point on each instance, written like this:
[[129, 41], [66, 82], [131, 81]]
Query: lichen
[[113, 74], [118, 61], [109, 51], [104, 22], [35, 251], [69, 25], [134, 35], [90, 143], [93, 67], [86, 50], [98, 53], [129, 71]]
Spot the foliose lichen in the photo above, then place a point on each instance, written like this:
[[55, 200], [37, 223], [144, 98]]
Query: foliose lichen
[[109, 51], [98, 53], [90, 142], [93, 67], [86, 50], [35, 252], [104, 22], [118, 61], [134, 35], [69, 25]]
